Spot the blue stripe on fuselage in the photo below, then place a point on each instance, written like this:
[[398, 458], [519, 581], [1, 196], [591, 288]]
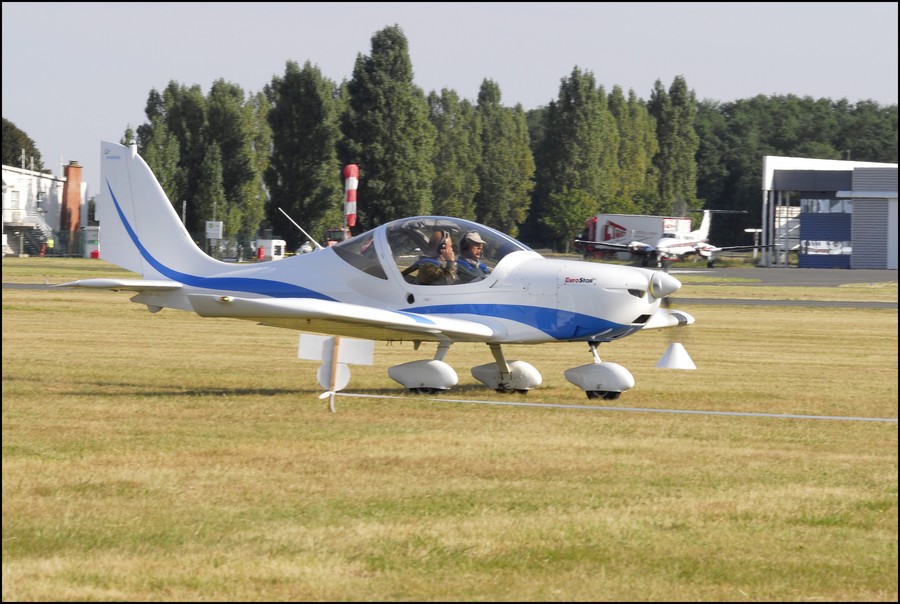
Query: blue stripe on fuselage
[[559, 324], [265, 287]]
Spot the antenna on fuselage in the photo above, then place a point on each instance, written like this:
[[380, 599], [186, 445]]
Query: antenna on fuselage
[[318, 247]]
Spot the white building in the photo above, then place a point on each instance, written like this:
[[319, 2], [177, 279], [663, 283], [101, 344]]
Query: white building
[[40, 207]]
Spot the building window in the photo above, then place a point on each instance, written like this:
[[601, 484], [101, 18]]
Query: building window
[[825, 206]]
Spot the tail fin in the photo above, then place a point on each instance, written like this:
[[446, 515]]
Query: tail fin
[[703, 231], [139, 228]]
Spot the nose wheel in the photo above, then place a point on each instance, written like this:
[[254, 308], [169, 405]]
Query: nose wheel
[[600, 379]]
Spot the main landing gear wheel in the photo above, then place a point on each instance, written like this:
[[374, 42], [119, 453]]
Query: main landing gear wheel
[[426, 390], [522, 391], [606, 395]]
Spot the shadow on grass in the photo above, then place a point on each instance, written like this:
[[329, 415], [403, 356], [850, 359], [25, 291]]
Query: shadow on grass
[[125, 388]]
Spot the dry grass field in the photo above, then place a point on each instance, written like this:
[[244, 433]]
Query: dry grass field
[[168, 457]]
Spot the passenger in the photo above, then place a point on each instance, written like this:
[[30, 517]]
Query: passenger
[[438, 265], [471, 268]]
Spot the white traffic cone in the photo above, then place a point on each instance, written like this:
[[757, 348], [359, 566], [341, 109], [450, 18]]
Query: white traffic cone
[[676, 357]]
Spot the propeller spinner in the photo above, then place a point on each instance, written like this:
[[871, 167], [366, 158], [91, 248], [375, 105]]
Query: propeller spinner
[[663, 284]]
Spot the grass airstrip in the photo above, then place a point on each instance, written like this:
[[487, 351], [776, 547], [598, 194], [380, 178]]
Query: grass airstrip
[[168, 457]]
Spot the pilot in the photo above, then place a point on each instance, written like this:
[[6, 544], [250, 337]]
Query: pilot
[[471, 268], [438, 265]]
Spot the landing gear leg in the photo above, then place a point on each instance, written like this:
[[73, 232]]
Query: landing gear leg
[[506, 376], [442, 350], [503, 385], [593, 346]]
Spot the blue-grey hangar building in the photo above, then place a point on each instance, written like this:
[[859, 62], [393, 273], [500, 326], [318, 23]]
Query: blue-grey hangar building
[[831, 213]]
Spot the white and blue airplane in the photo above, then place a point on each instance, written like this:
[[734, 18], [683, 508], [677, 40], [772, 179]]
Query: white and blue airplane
[[358, 288]]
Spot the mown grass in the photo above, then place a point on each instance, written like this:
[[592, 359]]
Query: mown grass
[[173, 458]]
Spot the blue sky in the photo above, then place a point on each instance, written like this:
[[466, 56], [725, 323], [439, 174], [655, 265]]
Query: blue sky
[[78, 73]]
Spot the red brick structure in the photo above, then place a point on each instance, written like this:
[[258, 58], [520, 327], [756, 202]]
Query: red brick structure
[[70, 212]]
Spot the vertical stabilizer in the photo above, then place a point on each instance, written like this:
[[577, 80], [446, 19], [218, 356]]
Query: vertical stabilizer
[[139, 228], [703, 231]]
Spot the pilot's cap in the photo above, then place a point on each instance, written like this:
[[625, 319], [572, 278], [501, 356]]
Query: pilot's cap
[[473, 237]]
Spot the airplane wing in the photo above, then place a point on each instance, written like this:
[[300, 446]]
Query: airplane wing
[[137, 285], [740, 247], [339, 318], [707, 249], [635, 247]]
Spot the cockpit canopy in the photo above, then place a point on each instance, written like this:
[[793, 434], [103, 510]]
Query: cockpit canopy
[[406, 240]]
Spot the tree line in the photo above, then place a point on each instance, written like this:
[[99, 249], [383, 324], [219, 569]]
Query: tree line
[[535, 174]]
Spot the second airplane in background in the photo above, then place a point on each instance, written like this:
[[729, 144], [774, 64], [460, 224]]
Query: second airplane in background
[[671, 247]]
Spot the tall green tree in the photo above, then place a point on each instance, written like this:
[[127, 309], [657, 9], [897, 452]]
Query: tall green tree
[[868, 132], [210, 202], [523, 179], [578, 155], [536, 123], [713, 153], [506, 170], [15, 143], [230, 126], [304, 173], [674, 112], [182, 126], [457, 153], [566, 214], [160, 149], [388, 134], [187, 120], [636, 182], [257, 107], [734, 138]]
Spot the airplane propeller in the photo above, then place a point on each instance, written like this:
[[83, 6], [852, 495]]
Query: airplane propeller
[[676, 356]]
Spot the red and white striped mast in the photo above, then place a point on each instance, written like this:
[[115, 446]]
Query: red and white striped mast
[[351, 183]]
